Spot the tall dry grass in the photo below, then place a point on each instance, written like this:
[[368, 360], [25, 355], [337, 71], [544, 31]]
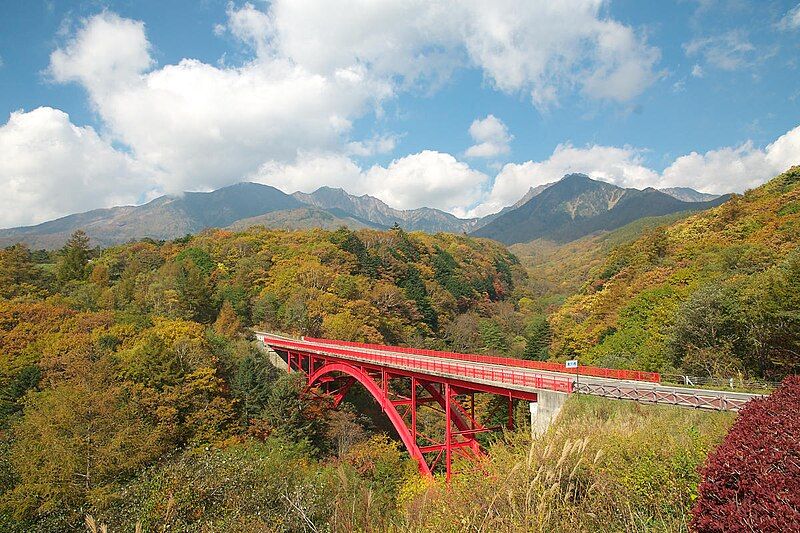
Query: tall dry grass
[[604, 466]]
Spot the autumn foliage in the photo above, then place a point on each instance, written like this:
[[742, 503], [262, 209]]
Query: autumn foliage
[[752, 481]]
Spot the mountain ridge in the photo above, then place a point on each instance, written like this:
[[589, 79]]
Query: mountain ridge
[[577, 205], [247, 203]]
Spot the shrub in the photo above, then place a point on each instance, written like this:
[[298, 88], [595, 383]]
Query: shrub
[[752, 481]]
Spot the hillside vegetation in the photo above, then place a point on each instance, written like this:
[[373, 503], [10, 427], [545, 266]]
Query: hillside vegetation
[[715, 294], [128, 388]]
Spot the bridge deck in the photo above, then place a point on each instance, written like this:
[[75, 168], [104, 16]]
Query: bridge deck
[[522, 382]]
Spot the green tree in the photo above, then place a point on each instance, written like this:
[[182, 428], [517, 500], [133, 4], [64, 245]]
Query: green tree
[[252, 385], [772, 306], [292, 414], [493, 337], [537, 339], [73, 258], [19, 276], [195, 292], [415, 290], [710, 321], [75, 443]]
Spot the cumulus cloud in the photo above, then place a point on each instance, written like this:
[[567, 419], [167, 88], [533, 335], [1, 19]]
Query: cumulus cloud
[[109, 53], [537, 47], [734, 169], [311, 171], [491, 137], [317, 66], [379, 144], [728, 169], [204, 126], [622, 166], [285, 115], [424, 179], [428, 178], [50, 168]]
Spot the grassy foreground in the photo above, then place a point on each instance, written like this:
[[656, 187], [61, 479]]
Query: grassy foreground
[[605, 466]]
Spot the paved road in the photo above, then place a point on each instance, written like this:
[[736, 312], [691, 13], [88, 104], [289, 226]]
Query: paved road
[[611, 388]]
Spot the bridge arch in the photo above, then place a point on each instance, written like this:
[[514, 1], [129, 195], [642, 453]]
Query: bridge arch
[[378, 393]]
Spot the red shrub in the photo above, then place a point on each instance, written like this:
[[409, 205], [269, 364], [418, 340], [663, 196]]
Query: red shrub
[[751, 482]]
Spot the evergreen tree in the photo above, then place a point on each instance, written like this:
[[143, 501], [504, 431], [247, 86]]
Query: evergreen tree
[[252, 384], [289, 411], [415, 290], [18, 274], [195, 292], [493, 337], [74, 258], [537, 340]]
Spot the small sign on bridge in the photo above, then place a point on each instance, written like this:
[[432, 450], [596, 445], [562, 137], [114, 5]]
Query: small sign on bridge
[[572, 363]]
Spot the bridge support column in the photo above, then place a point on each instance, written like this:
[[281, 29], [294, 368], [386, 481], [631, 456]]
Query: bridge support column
[[545, 409]]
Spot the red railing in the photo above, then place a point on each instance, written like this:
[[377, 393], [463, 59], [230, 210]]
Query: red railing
[[508, 377], [549, 366]]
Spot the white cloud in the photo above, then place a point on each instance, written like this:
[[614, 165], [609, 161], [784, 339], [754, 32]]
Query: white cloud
[[791, 21], [536, 47], [728, 169], [311, 171], [428, 178], [317, 66], [622, 166], [734, 169], [729, 51], [204, 126], [50, 168], [285, 117], [424, 179], [491, 137], [379, 144], [109, 53], [251, 26]]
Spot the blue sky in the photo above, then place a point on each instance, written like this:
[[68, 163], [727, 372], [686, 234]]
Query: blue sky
[[460, 106]]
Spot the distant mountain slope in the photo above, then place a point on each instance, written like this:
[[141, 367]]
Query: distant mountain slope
[[687, 194], [305, 218], [369, 208], [560, 211], [576, 206], [166, 217]]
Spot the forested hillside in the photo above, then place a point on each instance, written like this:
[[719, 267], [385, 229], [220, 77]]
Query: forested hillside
[[129, 389], [715, 294], [126, 373]]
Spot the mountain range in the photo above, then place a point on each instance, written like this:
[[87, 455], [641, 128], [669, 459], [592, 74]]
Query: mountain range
[[561, 211], [577, 206]]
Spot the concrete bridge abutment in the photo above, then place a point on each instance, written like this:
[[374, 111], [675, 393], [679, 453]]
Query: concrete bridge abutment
[[545, 410]]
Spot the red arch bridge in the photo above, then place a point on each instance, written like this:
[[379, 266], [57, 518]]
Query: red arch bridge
[[404, 379]]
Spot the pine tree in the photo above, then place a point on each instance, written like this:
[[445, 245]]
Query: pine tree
[[493, 337], [252, 385], [74, 258], [538, 340]]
